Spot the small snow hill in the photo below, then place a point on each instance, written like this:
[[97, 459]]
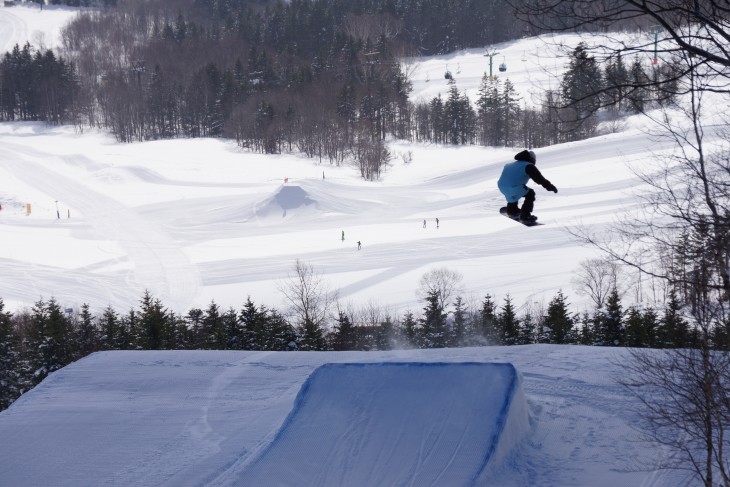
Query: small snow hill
[[286, 198], [396, 424]]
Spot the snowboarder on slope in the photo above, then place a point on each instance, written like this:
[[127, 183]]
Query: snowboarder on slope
[[513, 185]]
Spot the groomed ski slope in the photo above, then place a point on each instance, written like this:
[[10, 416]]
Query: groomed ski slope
[[396, 424], [219, 419], [195, 221]]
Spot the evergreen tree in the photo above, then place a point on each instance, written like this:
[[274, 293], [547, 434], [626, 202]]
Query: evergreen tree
[[508, 323], [87, 340], [155, 324], [528, 330], [617, 79], [510, 113], [112, 336], [194, 320], [214, 328], [559, 322], [385, 336], [410, 329], [133, 335], [586, 335], [179, 335], [345, 337], [635, 332], [232, 327], [488, 327], [639, 94], [253, 321], [433, 324], [673, 330], [611, 330], [11, 381], [50, 341], [720, 335], [281, 335], [439, 121], [458, 331], [488, 120], [650, 323], [311, 337], [581, 86]]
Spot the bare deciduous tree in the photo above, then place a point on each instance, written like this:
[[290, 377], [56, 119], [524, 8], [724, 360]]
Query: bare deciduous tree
[[596, 278], [307, 295], [445, 282], [686, 407]]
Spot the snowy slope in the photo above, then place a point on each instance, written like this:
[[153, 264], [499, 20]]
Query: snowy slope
[[28, 23], [202, 418], [363, 420], [197, 220], [200, 220]]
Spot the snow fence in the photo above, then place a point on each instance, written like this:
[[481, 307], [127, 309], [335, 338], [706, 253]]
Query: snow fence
[[375, 424]]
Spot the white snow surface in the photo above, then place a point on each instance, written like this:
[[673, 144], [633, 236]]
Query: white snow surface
[[201, 220], [26, 22], [235, 418]]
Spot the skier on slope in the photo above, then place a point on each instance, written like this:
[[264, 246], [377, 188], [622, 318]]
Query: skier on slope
[[512, 183]]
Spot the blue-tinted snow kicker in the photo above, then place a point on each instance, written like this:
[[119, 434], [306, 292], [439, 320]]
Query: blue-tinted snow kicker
[[396, 424]]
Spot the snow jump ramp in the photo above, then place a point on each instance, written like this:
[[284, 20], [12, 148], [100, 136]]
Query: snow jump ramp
[[396, 424]]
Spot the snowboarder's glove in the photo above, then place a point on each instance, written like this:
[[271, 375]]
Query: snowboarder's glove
[[551, 187]]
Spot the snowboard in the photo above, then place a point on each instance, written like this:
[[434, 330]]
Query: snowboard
[[503, 211]]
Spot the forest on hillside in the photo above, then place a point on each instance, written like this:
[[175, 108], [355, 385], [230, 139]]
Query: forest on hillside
[[320, 77]]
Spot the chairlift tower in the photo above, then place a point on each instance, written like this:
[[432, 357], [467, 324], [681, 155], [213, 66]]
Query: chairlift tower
[[656, 29], [490, 55]]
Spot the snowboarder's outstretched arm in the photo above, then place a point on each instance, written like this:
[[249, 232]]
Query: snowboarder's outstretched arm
[[536, 176]]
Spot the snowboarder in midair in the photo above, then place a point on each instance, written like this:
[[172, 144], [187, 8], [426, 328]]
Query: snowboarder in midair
[[513, 185]]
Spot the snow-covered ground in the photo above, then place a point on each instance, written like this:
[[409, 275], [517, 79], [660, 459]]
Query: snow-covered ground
[[200, 220], [213, 418], [26, 22], [196, 220]]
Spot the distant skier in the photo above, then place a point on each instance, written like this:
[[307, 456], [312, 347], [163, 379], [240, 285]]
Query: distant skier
[[343, 235], [513, 185], [437, 222], [424, 223], [359, 245]]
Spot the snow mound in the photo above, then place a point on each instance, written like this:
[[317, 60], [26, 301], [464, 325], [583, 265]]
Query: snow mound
[[287, 198], [396, 423]]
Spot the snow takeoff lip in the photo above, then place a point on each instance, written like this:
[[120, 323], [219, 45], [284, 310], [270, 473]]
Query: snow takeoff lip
[[396, 424]]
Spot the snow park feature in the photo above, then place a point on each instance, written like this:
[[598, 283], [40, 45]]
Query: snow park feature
[[205, 418], [186, 219], [357, 425]]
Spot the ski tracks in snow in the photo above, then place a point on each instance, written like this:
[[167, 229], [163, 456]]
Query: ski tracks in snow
[[158, 263], [12, 27]]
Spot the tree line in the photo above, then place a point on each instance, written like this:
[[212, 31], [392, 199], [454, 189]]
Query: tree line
[[36, 342], [336, 126]]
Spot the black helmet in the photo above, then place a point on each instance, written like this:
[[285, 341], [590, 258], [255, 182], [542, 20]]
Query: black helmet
[[526, 155]]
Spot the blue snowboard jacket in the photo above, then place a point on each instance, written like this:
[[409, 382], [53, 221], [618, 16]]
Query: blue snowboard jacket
[[515, 175]]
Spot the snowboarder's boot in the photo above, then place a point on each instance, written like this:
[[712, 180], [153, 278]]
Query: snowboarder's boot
[[513, 210], [527, 218]]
